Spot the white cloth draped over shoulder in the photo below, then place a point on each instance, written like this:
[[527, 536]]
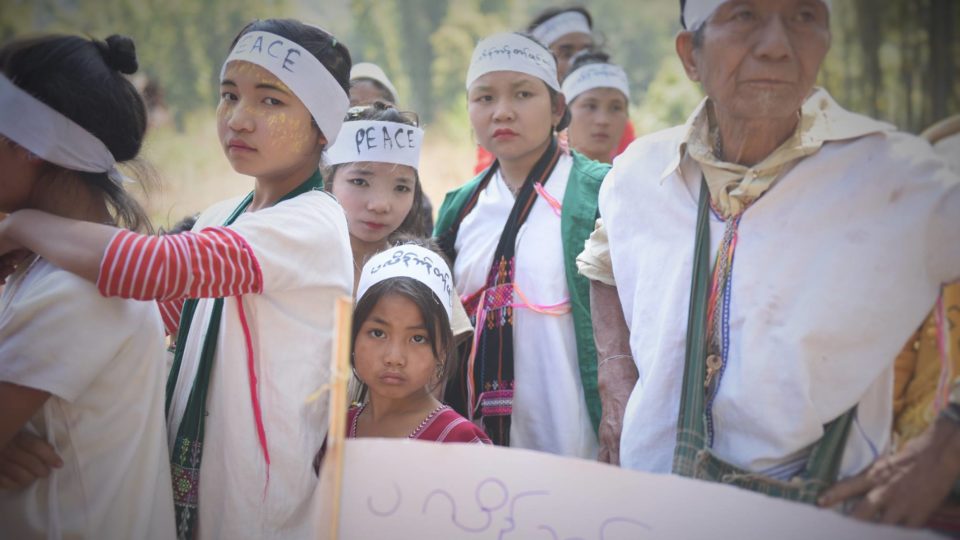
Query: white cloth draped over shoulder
[[302, 249], [835, 266], [549, 407]]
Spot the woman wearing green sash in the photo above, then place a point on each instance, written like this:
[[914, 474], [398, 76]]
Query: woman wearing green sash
[[513, 234], [251, 289]]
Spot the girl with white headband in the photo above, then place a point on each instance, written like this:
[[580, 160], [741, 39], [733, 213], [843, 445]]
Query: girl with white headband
[[81, 376], [251, 289], [372, 171], [403, 348], [598, 95], [513, 233]]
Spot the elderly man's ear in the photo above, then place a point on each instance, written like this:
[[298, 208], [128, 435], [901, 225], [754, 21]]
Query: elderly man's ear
[[685, 51]]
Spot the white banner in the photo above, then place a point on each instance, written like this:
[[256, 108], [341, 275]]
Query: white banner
[[398, 488]]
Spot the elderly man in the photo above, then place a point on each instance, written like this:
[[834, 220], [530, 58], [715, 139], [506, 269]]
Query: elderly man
[[769, 258]]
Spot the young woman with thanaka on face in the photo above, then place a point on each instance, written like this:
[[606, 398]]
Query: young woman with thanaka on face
[[376, 180]]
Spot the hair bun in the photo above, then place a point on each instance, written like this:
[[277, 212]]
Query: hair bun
[[119, 53]]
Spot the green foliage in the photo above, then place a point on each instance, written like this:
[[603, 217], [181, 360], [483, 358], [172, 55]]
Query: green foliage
[[669, 100], [896, 60], [180, 43], [453, 44]]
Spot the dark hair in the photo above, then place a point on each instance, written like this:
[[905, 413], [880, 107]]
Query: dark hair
[[434, 315], [552, 12], [184, 225], [83, 80], [683, 6], [324, 46], [554, 94], [385, 112], [587, 57]]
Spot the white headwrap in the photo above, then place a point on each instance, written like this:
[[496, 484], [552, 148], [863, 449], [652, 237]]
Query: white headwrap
[[561, 24], [696, 12], [407, 260], [593, 76], [300, 70], [50, 135], [510, 51], [367, 70], [381, 142]]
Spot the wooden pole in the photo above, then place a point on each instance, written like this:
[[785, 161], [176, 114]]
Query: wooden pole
[[340, 377]]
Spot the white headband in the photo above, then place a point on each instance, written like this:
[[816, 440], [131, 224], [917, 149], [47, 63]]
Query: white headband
[[696, 12], [52, 136], [300, 70], [568, 22], [593, 76], [407, 260], [381, 142], [373, 72], [512, 52]]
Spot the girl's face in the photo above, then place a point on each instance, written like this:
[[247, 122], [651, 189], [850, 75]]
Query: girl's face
[[265, 130], [598, 118], [512, 114], [375, 196], [393, 355]]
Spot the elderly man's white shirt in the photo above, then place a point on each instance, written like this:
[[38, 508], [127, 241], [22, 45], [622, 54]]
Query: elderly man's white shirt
[[835, 267]]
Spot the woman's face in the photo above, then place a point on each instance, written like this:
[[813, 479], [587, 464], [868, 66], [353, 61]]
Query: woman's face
[[511, 114], [375, 196], [598, 118], [265, 130]]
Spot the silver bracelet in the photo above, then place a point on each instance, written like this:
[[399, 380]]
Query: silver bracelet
[[614, 357]]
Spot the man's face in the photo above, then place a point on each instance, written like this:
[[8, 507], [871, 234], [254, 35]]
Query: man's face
[[566, 46], [759, 58]]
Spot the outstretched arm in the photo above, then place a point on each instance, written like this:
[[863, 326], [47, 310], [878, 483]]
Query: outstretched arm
[[215, 262], [76, 246]]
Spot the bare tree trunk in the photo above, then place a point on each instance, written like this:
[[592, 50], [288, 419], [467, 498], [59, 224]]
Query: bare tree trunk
[[941, 30], [869, 21]]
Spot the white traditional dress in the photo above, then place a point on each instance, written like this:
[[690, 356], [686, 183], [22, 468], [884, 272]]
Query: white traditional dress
[[549, 407], [835, 266]]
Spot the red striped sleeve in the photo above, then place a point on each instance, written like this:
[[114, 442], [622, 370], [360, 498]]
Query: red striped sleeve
[[170, 313], [212, 263]]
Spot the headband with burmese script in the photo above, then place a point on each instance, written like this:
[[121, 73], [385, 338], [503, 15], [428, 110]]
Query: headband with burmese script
[[301, 71], [561, 24], [376, 141], [51, 136], [412, 261], [510, 51], [696, 12], [593, 76]]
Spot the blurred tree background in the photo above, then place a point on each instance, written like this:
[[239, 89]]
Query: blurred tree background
[[896, 60]]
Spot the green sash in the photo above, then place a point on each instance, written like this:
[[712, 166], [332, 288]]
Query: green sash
[[188, 446], [692, 455]]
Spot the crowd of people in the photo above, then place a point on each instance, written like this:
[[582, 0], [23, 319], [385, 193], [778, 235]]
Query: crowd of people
[[759, 297]]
